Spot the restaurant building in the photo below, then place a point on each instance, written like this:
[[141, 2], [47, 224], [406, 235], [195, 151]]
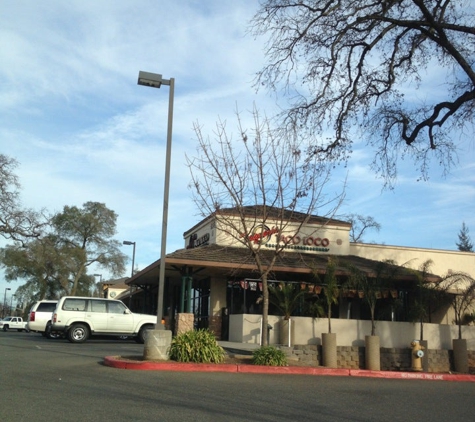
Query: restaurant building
[[214, 279]]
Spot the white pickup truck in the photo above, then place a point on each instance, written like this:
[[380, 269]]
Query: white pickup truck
[[13, 323]]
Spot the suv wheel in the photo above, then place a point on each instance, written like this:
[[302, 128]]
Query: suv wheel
[[78, 333], [52, 335]]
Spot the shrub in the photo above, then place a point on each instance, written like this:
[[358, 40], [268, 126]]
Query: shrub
[[196, 346], [269, 356]]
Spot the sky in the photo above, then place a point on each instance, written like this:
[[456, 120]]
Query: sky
[[73, 116]]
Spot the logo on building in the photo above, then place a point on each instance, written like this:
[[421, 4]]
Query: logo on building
[[261, 234], [195, 241]]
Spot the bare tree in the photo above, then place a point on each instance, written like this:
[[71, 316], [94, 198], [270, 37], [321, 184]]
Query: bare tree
[[16, 222], [348, 64], [360, 224], [258, 185]]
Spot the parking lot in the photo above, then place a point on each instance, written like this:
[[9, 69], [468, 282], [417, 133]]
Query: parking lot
[[54, 380]]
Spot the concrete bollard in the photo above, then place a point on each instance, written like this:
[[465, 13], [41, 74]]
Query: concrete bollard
[[157, 345]]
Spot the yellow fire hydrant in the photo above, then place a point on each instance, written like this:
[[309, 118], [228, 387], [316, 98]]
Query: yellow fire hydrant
[[417, 354]]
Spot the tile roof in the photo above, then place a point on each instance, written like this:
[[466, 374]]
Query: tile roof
[[231, 261], [242, 257]]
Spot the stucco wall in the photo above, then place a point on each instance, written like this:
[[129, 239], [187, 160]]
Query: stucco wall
[[443, 261], [217, 296], [246, 328]]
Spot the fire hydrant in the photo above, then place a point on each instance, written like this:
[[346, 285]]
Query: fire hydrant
[[417, 354]]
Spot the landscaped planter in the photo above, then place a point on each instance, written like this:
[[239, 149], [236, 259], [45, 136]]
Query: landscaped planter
[[329, 353], [286, 331], [460, 355], [372, 353]]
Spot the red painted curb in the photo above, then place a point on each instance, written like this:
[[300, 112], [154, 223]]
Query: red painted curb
[[116, 362], [292, 370], [412, 375], [119, 363]]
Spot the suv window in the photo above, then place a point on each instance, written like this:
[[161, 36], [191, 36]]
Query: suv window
[[116, 308], [75, 305], [98, 306], [46, 307]]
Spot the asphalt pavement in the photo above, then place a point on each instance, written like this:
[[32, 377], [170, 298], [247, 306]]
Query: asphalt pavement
[[44, 380]]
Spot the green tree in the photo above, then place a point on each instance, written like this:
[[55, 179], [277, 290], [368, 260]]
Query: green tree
[[257, 185], [56, 263], [41, 263], [354, 64], [87, 232], [464, 244]]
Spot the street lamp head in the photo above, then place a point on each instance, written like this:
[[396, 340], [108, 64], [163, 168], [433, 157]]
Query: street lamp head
[[128, 242], [153, 80], [8, 288]]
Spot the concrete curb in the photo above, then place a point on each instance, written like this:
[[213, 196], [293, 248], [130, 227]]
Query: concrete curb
[[120, 363]]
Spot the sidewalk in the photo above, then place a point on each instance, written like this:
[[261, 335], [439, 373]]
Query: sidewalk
[[246, 349]]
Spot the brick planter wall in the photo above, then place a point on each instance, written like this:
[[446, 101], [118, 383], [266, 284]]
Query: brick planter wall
[[391, 359]]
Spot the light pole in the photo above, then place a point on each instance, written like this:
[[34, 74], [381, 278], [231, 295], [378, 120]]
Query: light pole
[[155, 80], [5, 301], [128, 242]]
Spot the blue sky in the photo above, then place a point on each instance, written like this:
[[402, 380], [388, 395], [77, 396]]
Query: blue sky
[[82, 130]]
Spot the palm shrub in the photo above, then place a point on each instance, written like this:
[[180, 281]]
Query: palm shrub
[[269, 356], [331, 290], [373, 285], [198, 346], [286, 297]]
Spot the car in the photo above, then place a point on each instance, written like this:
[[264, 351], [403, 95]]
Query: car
[[40, 316], [79, 318]]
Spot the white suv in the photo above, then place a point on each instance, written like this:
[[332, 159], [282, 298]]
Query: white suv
[[40, 314], [80, 317]]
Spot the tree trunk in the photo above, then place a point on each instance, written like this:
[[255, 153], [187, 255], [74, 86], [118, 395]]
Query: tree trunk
[[373, 325], [76, 280], [265, 311]]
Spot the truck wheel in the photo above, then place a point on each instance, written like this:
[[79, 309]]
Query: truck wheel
[[141, 335], [5, 328], [78, 333]]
